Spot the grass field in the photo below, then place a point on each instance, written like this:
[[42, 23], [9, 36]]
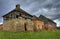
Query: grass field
[[30, 35]]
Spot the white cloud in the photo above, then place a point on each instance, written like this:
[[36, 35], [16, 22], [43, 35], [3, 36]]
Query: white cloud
[[1, 23], [58, 22]]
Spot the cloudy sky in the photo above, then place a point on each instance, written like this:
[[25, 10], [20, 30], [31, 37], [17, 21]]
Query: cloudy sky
[[48, 8]]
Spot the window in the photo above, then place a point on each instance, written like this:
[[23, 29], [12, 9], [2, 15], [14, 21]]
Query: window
[[20, 15], [11, 14], [16, 16], [25, 18]]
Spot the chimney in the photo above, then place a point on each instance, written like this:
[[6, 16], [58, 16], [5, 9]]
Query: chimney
[[18, 6]]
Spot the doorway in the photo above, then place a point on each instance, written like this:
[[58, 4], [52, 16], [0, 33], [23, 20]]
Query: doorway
[[25, 27]]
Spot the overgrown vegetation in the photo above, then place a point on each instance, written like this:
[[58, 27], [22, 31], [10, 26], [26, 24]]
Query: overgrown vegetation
[[30, 35]]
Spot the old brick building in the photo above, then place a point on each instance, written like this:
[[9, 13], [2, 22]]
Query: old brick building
[[20, 20]]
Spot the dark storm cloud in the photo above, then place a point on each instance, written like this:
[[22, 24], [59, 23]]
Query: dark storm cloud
[[48, 8], [50, 4]]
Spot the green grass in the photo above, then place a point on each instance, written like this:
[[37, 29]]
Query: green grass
[[30, 35]]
